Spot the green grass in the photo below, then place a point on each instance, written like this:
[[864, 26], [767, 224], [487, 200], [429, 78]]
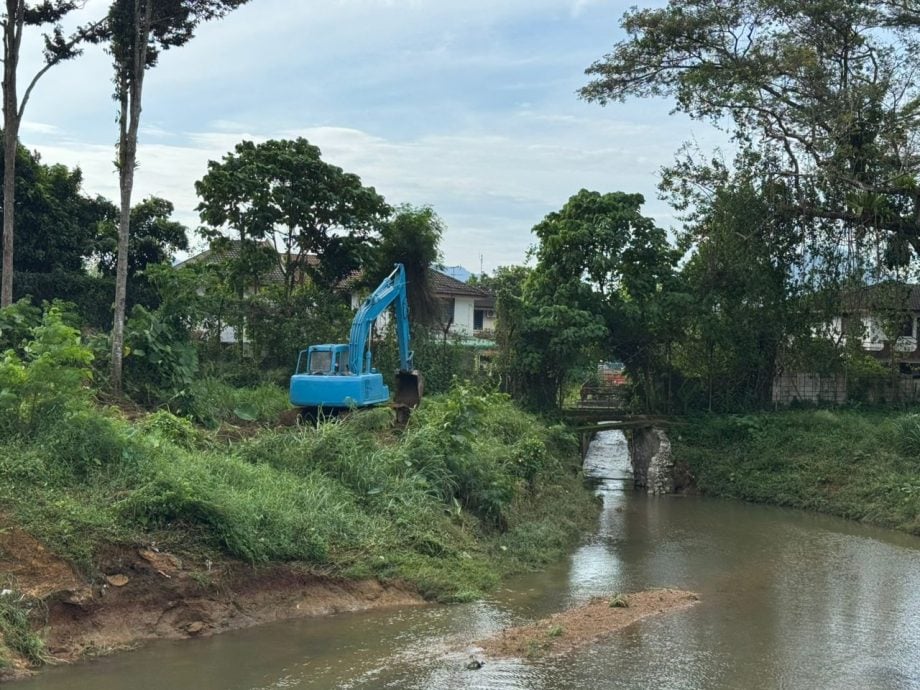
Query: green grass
[[861, 465], [471, 490], [16, 635]]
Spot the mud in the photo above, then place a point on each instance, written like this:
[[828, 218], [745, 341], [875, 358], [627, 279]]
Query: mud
[[583, 625], [143, 594]]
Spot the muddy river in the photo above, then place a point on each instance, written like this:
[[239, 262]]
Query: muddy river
[[788, 600]]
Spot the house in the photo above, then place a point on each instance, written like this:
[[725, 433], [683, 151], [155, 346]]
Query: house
[[467, 312], [884, 317]]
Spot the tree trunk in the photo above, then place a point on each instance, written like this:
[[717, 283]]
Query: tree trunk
[[130, 89], [12, 36]]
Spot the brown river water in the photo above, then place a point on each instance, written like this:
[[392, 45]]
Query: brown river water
[[788, 600]]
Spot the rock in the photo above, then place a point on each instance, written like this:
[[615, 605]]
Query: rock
[[117, 580], [164, 563], [653, 464], [80, 596], [195, 628]]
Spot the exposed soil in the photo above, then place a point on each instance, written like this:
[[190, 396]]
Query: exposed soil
[[144, 594], [583, 625]]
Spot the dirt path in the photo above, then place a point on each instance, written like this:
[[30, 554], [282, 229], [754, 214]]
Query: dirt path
[[584, 625], [143, 594]]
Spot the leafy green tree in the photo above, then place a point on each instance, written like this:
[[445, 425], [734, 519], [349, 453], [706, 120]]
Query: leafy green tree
[[57, 224], [746, 305], [155, 237], [824, 92], [282, 191], [604, 284], [17, 15], [410, 237], [137, 32]]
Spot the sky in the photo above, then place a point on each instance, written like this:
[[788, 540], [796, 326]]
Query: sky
[[468, 106]]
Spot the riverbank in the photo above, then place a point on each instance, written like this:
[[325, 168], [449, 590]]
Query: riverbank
[[862, 465], [156, 528]]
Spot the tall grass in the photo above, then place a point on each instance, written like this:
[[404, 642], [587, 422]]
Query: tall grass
[[470, 483]]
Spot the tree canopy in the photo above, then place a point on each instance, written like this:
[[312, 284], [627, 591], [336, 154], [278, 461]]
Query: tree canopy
[[824, 92], [282, 191]]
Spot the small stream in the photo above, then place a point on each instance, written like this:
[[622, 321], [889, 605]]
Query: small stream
[[789, 600]]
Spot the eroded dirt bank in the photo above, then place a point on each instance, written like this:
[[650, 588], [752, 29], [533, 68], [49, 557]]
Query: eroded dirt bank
[[584, 625], [144, 594]]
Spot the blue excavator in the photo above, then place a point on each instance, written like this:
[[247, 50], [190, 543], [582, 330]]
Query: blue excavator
[[333, 378]]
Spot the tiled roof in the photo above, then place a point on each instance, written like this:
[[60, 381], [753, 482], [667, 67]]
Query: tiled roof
[[231, 250], [445, 285]]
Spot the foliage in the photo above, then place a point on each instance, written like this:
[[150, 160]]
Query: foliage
[[280, 325], [51, 373], [56, 223], [154, 237], [16, 633], [410, 237], [160, 362], [282, 191], [604, 281], [212, 401], [824, 95]]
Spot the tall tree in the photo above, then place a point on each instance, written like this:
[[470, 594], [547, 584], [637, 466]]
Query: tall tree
[[281, 191], [411, 237], [826, 92], [17, 16], [139, 31]]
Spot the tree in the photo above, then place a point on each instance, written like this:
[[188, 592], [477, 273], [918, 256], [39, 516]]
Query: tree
[[155, 237], [56, 223], [57, 48], [283, 192], [825, 92], [410, 237], [139, 30], [604, 283]]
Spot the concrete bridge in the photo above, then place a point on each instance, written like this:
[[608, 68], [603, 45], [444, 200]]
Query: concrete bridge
[[649, 445]]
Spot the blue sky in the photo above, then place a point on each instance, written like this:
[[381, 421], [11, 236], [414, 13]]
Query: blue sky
[[465, 105]]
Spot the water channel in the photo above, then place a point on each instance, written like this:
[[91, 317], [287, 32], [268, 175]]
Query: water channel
[[788, 600]]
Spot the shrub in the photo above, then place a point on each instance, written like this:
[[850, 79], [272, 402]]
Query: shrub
[[51, 374]]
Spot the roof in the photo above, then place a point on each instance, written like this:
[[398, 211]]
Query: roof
[[445, 285], [890, 296], [230, 249]]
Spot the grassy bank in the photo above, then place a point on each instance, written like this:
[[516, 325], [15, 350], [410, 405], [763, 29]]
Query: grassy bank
[[471, 489], [861, 465]]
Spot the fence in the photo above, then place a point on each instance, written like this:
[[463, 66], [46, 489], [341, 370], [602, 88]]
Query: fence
[[836, 389]]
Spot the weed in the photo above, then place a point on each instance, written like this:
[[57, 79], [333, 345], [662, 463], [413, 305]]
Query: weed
[[618, 601], [555, 631], [16, 627]]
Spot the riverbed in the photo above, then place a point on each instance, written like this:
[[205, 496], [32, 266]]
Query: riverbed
[[788, 600]]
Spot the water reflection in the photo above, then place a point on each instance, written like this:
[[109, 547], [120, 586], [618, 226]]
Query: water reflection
[[790, 600]]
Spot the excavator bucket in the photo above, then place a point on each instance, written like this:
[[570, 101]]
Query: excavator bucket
[[409, 388]]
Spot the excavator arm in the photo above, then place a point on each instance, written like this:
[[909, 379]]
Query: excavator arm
[[391, 290]]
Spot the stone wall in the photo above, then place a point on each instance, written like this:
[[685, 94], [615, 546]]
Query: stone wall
[[652, 461]]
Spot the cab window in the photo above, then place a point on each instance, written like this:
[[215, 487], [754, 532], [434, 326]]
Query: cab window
[[320, 362], [342, 362]]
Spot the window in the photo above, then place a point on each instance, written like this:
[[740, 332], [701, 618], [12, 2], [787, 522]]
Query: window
[[477, 319], [341, 366], [320, 362], [447, 312], [906, 328]]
